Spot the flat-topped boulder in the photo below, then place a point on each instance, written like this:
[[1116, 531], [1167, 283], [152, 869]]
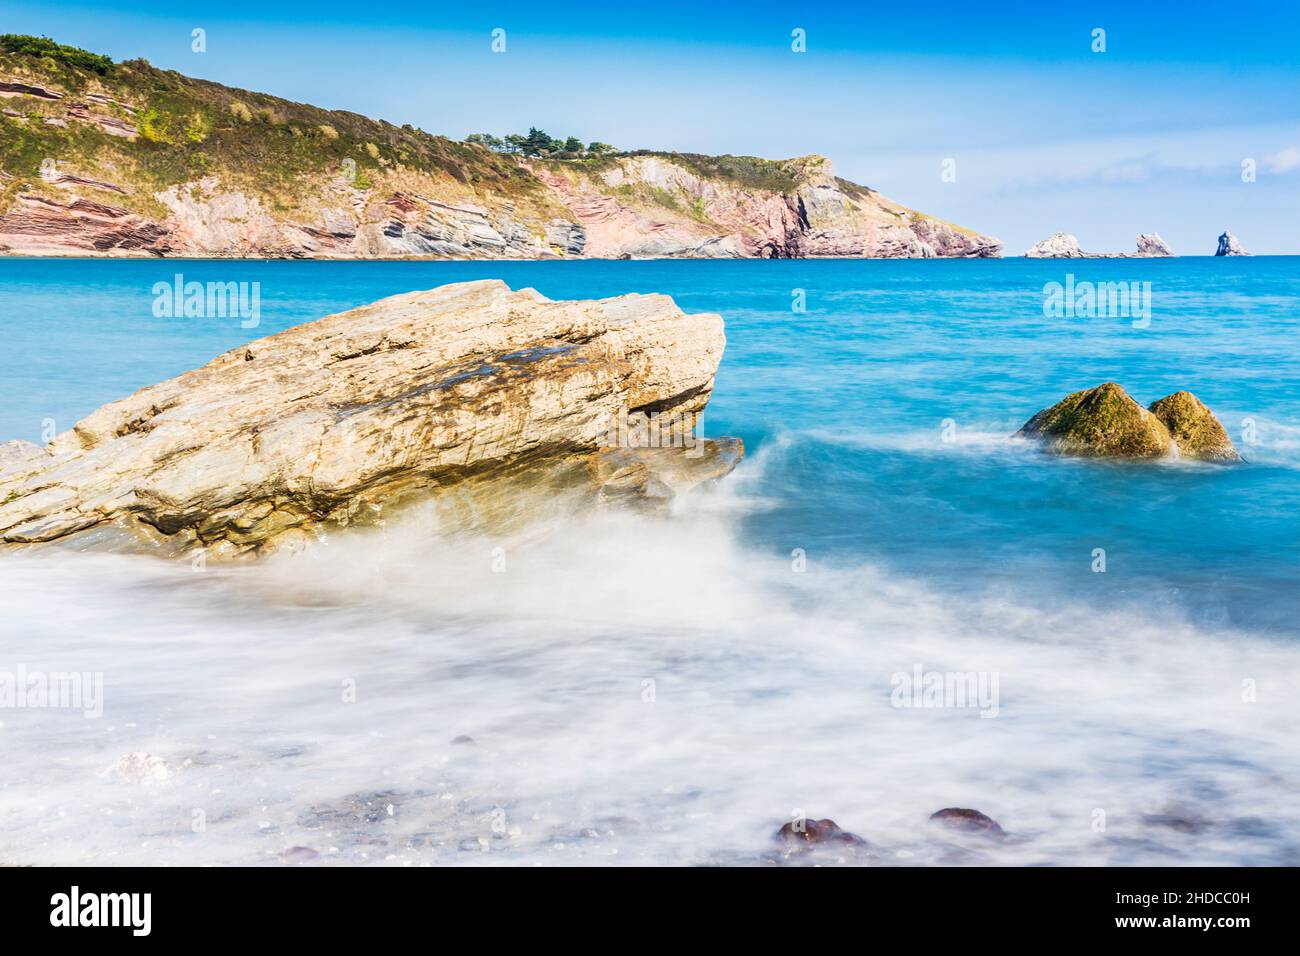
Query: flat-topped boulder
[[1106, 422], [414, 396]]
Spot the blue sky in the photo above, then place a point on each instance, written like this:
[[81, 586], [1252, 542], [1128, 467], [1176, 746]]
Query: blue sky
[[1046, 134]]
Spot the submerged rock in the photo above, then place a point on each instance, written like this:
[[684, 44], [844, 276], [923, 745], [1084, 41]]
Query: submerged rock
[[965, 819], [817, 832], [1105, 422], [1229, 245], [336, 421], [1195, 430]]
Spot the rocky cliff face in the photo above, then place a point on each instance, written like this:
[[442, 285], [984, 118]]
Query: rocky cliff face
[[145, 162], [690, 214], [427, 396]]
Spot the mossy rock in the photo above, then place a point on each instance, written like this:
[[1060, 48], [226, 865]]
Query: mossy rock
[[1194, 428], [1106, 422], [1103, 422]]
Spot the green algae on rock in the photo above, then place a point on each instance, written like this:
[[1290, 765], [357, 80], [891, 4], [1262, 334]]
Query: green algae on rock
[[1100, 422], [1106, 422], [1194, 428]]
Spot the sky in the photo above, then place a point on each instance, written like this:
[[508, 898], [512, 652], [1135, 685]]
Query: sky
[[1040, 132]]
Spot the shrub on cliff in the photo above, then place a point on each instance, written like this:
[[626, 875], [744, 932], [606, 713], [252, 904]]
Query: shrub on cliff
[[45, 47]]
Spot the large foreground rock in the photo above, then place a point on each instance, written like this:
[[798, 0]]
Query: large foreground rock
[[411, 397], [1106, 422]]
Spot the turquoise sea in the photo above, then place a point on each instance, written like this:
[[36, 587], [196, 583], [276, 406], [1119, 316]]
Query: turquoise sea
[[672, 690]]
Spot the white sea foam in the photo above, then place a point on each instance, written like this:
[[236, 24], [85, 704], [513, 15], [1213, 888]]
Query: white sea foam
[[638, 690], [961, 440]]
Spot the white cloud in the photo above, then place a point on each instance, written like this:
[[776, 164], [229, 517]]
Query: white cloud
[[1283, 161]]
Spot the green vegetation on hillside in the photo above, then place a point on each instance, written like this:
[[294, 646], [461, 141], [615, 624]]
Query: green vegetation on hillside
[[47, 48], [539, 143], [189, 128], [747, 172]]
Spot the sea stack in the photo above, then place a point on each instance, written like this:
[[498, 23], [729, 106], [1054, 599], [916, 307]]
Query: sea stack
[[1061, 245], [1230, 245], [1150, 244]]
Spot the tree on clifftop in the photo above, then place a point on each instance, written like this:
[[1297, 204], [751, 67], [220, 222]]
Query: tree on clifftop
[[486, 139], [538, 142]]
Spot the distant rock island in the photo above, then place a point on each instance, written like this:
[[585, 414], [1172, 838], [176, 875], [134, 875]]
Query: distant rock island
[[1150, 244], [1062, 245], [124, 159], [1229, 245], [1106, 422]]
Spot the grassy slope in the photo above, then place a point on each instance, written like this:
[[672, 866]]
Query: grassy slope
[[284, 151]]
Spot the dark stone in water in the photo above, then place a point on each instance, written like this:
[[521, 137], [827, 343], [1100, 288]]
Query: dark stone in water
[[970, 821], [819, 832], [462, 739], [299, 854]]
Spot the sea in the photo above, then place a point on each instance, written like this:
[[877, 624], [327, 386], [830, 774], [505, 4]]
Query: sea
[[891, 607]]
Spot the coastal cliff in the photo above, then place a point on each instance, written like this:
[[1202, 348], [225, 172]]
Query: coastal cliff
[[125, 159]]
